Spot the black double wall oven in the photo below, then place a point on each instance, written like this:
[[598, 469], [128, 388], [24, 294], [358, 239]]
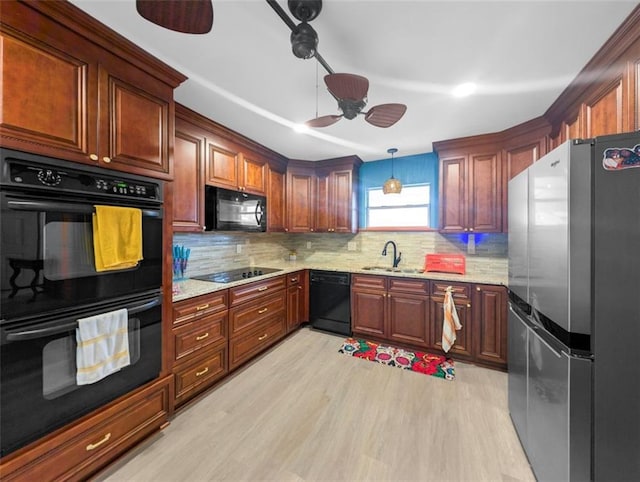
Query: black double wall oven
[[48, 281]]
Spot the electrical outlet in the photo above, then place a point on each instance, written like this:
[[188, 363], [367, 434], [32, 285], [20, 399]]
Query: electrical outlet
[[238, 249], [308, 244]]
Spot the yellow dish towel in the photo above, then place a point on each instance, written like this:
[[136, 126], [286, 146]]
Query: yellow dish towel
[[451, 321], [117, 237]]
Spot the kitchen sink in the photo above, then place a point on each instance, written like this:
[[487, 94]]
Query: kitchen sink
[[391, 270]]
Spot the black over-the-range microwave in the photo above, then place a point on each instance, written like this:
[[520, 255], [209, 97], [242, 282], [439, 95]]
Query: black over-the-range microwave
[[227, 210]]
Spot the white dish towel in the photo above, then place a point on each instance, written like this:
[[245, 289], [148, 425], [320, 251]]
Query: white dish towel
[[103, 346], [451, 322]]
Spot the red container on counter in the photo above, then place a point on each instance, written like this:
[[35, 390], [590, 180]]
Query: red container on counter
[[445, 263]]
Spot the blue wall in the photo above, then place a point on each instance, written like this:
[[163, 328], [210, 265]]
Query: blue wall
[[418, 169]]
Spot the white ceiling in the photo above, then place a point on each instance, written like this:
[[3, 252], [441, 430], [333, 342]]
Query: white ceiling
[[521, 54]]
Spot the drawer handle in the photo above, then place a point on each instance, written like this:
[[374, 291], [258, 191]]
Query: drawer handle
[[202, 307], [260, 338], [293, 280], [262, 288], [202, 372], [202, 337], [97, 444], [263, 310]]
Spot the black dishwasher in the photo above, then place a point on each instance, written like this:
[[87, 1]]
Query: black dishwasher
[[330, 301]]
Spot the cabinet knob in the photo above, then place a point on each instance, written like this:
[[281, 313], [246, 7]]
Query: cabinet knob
[[470, 229], [93, 157], [466, 229], [468, 305], [286, 230], [311, 229], [106, 159], [477, 288]]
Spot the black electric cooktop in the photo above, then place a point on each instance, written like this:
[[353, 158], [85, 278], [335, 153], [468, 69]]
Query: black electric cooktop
[[236, 274]]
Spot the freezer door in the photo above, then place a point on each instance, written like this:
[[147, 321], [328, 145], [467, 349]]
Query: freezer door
[[517, 240], [559, 412], [559, 237], [518, 341]]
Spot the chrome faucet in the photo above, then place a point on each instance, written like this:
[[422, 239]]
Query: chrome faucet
[[396, 260]]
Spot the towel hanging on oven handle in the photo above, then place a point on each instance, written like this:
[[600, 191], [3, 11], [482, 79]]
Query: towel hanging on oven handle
[[70, 323]]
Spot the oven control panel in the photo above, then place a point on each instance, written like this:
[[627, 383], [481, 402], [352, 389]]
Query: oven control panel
[[77, 180]]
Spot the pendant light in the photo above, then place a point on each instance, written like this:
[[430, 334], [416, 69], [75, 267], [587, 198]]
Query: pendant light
[[392, 185]]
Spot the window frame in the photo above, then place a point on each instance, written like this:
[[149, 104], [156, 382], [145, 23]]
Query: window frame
[[426, 205]]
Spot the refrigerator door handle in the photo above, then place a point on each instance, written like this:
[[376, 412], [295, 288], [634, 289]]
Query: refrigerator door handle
[[555, 352]]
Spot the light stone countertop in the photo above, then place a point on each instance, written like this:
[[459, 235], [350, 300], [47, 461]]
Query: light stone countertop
[[190, 288]]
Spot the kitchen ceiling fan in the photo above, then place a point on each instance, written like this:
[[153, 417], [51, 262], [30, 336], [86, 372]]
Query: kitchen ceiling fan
[[186, 16], [350, 90]]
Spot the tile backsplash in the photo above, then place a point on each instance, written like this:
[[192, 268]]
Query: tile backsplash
[[212, 252]]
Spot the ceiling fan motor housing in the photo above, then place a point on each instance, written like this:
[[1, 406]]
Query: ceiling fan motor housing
[[304, 41], [351, 108], [305, 10]]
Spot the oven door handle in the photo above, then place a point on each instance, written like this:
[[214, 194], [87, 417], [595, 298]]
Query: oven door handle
[[65, 207], [32, 334]]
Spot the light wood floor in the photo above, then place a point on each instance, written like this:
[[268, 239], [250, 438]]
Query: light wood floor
[[305, 412]]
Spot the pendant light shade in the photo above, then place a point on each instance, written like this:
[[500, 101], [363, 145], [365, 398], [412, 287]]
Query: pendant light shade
[[392, 185]]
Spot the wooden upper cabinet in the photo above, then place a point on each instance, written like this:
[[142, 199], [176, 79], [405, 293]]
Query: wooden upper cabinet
[[188, 178], [323, 202], [66, 94], [470, 192], [222, 167], [344, 208], [300, 201], [604, 111], [253, 174], [136, 120], [276, 196]]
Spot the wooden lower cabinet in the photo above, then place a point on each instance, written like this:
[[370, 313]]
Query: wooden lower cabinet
[[257, 318], [394, 309], [77, 452], [297, 300], [200, 334], [409, 312]]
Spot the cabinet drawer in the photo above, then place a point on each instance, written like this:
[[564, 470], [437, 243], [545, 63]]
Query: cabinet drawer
[[404, 285], [197, 376], [199, 334], [194, 308], [249, 344], [294, 278], [251, 291], [461, 291], [245, 317], [83, 449], [363, 281]]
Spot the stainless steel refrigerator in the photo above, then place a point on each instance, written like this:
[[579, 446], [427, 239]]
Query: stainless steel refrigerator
[[574, 310]]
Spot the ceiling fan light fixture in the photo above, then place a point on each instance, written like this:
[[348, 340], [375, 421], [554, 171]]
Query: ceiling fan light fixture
[[392, 185], [304, 41]]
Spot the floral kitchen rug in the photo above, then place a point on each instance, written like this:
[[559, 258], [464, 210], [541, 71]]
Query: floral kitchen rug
[[421, 362]]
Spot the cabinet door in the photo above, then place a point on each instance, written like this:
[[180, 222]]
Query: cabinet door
[[188, 179], [409, 319], [222, 167], [254, 175], [47, 96], [453, 194], [343, 204], [300, 199], [322, 204], [294, 301], [135, 126], [276, 208], [604, 112], [490, 323], [463, 346], [485, 194], [368, 313]]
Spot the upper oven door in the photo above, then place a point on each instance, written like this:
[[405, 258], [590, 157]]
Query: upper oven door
[[47, 260]]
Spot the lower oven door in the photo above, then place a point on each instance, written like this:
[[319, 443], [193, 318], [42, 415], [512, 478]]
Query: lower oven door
[[38, 390]]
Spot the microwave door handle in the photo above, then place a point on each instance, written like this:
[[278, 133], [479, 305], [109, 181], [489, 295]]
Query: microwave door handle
[[67, 208], [258, 213], [32, 334]]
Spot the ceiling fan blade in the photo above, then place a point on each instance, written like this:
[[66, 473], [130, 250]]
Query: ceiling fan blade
[[385, 115], [186, 16], [324, 121], [347, 86]]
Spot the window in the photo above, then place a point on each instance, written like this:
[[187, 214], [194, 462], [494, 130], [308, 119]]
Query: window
[[410, 208]]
